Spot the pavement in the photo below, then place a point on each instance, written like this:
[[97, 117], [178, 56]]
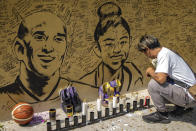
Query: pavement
[[128, 122]]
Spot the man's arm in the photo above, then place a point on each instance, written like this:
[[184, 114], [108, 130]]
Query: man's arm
[[161, 78]]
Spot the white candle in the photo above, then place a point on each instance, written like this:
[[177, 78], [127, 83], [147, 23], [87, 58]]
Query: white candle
[[124, 101], [98, 104], [136, 96], [84, 108], [110, 104], [114, 102]]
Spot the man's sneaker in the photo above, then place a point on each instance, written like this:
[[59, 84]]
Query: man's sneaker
[[156, 117], [179, 111]]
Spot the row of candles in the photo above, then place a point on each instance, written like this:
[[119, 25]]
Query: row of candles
[[112, 106], [111, 103]]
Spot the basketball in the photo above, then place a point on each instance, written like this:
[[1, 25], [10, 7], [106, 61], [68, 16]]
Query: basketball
[[22, 113]]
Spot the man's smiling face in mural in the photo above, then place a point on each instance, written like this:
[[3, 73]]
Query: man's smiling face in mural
[[44, 43], [115, 44]]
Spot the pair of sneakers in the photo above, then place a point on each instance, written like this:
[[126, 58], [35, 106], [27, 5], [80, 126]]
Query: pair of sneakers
[[162, 117]]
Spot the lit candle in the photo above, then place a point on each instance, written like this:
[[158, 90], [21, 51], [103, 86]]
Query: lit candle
[[84, 108], [98, 104], [110, 104], [136, 96], [123, 99], [114, 102]]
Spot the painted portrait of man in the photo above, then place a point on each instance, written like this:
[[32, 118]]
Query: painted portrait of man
[[40, 46]]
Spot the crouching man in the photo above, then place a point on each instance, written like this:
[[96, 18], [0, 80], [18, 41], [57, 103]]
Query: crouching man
[[169, 82]]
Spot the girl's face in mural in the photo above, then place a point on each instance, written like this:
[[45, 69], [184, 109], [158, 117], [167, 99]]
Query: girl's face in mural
[[46, 44], [115, 44]]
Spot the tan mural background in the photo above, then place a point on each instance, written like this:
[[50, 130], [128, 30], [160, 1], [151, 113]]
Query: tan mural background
[[35, 73]]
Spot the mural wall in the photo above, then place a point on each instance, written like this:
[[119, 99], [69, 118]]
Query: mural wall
[[47, 45]]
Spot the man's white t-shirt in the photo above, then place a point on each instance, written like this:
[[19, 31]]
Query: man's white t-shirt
[[172, 64]]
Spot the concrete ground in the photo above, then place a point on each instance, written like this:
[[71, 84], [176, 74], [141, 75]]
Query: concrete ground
[[129, 122]]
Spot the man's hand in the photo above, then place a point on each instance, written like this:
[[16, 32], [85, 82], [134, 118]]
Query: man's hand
[[150, 71], [159, 77]]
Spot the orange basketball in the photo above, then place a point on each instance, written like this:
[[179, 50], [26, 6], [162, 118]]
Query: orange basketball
[[22, 113]]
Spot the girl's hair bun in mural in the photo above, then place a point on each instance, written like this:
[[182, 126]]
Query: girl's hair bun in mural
[[108, 9]]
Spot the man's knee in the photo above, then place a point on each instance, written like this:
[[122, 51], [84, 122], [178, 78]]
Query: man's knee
[[152, 85]]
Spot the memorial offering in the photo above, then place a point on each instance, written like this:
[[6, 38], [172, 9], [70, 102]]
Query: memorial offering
[[97, 117], [22, 113], [108, 90], [70, 100], [52, 115]]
